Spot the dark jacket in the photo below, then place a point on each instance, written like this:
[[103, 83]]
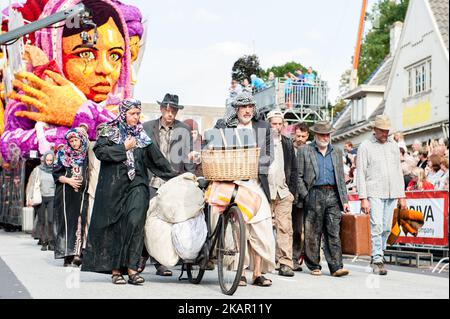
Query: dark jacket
[[308, 171], [263, 135], [290, 165], [180, 145], [423, 164]]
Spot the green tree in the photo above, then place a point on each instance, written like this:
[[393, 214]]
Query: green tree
[[338, 107], [376, 44], [281, 70], [245, 67]]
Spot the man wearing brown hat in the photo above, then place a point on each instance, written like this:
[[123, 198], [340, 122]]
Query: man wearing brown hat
[[380, 186], [321, 184]]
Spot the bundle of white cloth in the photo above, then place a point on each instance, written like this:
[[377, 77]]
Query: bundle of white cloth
[[175, 227]]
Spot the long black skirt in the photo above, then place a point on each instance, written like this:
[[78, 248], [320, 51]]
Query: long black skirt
[[70, 213], [115, 241]]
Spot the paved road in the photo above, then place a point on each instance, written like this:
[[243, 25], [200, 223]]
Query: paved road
[[11, 287], [43, 277]]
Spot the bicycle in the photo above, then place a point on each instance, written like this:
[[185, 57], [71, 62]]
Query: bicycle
[[226, 243]]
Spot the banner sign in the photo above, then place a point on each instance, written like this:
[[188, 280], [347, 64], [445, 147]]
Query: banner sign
[[433, 206]]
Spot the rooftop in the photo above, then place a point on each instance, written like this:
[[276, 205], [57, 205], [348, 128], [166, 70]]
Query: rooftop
[[440, 11]]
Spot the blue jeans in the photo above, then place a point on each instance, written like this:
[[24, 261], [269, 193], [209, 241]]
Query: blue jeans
[[381, 215]]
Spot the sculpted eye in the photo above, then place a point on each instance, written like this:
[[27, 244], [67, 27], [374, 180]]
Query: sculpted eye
[[87, 55], [115, 57]]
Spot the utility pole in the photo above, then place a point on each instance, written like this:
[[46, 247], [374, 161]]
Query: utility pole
[[354, 75]]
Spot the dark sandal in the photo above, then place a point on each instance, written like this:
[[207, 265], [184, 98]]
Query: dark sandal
[[163, 271], [262, 281], [76, 262], [142, 264], [135, 279], [118, 280], [243, 282], [68, 261]]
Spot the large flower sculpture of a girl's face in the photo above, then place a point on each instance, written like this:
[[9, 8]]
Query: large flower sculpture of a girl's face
[[95, 70]]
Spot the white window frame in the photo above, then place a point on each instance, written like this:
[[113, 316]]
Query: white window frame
[[420, 78], [359, 110]]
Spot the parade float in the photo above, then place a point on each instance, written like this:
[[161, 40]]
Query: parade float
[[63, 63]]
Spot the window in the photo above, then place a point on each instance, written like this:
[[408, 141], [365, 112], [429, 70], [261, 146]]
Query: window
[[419, 78], [359, 110]]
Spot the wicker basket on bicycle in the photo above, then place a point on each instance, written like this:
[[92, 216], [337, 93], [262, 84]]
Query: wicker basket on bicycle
[[231, 164]]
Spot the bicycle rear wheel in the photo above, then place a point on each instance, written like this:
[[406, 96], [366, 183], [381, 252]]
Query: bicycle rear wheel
[[231, 250]]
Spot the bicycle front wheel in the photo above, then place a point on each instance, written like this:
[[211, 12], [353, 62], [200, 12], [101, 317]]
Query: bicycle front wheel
[[231, 250]]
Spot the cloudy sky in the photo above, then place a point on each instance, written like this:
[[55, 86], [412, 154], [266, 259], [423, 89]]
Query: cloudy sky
[[192, 45]]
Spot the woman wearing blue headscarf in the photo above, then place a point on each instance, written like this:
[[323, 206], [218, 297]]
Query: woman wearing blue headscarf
[[116, 233]]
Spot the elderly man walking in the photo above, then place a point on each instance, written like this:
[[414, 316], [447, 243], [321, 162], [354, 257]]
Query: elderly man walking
[[260, 242], [283, 184], [321, 184], [381, 186]]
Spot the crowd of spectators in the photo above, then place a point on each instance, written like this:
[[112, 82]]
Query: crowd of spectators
[[424, 165], [257, 84]]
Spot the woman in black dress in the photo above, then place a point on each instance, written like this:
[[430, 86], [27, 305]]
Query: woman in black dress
[[71, 199], [116, 233]]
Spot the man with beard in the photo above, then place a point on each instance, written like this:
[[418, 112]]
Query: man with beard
[[283, 184], [260, 243], [321, 184]]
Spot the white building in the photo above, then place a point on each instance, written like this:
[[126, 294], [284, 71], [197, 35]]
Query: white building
[[411, 86], [418, 88]]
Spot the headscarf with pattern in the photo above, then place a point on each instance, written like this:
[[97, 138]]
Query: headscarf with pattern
[[118, 131], [242, 99], [70, 157]]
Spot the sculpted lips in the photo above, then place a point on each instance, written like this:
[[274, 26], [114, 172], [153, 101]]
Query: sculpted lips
[[103, 87]]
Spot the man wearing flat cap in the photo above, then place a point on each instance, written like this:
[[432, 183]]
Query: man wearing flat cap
[[380, 185], [321, 185], [174, 139]]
